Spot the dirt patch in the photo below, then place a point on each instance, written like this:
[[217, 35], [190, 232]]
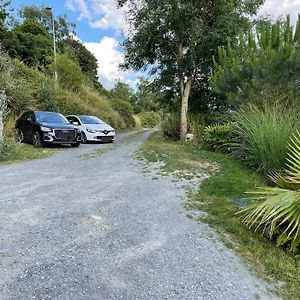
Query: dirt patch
[[201, 165]]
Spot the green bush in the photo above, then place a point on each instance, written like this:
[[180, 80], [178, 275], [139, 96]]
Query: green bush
[[124, 108], [196, 127], [277, 209], [218, 137], [171, 126], [263, 136], [7, 147], [149, 119]]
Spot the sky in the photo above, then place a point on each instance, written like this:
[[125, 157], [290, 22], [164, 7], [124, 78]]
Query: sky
[[101, 27]]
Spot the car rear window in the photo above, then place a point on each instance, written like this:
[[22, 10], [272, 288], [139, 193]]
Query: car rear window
[[90, 120]]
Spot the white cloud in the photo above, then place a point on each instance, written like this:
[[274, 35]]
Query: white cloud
[[109, 58], [102, 14], [278, 8], [70, 5], [83, 8]]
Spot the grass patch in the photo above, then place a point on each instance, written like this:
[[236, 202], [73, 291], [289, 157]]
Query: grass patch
[[11, 152], [218, 197], [177, 158]]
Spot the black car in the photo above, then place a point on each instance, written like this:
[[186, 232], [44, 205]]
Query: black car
[[43, 127]]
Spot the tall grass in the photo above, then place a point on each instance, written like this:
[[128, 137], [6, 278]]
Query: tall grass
[[263, 136]]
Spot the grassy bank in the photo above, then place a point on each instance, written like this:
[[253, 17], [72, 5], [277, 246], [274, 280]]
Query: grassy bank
[[11, 152], [221, 196]]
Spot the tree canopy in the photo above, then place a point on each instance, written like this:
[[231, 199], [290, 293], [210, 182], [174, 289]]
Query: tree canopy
[[177, 38], [263, 68]]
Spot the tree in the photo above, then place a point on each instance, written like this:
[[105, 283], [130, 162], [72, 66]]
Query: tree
[[30, 43], [69, 73], [145, 98], [121, 91], [178, 37], [78, 52], [262, 67], [63, 28]]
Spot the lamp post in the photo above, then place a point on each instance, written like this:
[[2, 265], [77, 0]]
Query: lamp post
[[54, 42]]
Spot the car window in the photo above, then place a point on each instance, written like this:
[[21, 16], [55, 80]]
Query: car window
[[28, 116], [25, 116], [90, 120], [73, 119], [50, 117]]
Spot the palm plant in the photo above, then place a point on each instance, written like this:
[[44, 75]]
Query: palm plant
[[277, 209]]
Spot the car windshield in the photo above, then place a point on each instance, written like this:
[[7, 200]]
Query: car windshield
[[90, 120], [50, 117]]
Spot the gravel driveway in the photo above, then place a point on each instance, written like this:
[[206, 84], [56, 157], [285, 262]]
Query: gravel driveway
[[99, 228]]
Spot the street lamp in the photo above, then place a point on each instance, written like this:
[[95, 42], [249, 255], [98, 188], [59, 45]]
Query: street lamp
[[54, 44]]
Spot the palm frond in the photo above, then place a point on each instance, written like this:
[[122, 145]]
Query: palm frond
[[278, 209]]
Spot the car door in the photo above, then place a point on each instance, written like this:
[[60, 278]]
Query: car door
[[28, 125]]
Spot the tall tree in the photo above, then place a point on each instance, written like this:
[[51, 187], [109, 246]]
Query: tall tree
[[178, 37], [63, 28], [77, 51], [263, 68], [31, 43]]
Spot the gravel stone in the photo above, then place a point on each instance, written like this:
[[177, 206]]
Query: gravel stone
[[100, 228]]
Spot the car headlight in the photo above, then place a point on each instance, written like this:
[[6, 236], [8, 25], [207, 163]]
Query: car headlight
[[46, 129], [91, 130]]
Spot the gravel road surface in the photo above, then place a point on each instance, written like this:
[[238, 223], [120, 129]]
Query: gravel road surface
[[74, 227]]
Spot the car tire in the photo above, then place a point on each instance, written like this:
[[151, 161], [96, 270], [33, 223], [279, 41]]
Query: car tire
[[36, 139], [19, 136], [75, 145], [83, 138]]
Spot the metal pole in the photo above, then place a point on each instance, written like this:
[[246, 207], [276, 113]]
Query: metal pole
[[54, 43]]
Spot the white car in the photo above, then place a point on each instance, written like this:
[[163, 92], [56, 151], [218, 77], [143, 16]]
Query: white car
[[93, 129]]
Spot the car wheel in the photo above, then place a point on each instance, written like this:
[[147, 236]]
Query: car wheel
[[36, 140], [19, 136], [75, 145], [83, 138]]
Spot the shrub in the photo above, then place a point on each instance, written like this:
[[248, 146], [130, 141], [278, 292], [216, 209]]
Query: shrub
[[149, 119], [125, 110], [171, 126], [218, 137], [196, 127], [263, 136], [7, 147], [277, 209]]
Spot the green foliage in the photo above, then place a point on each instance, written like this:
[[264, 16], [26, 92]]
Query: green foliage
[[85, 59], [262, 136], [43, 16], [277, 210], [171, 126], [149, 119], [7, 148], [217, 137], [69, 73], [125, 110], [145, 98], [27, 88], [30, 42], [264, 67], [176, 39]]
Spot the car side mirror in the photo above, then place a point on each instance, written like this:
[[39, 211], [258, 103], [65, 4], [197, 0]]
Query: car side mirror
[[75, 123]]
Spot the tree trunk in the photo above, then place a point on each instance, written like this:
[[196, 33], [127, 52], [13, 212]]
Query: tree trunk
[[185, 89]]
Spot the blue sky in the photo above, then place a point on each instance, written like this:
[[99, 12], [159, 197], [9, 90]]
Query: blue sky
[[99, 23]]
